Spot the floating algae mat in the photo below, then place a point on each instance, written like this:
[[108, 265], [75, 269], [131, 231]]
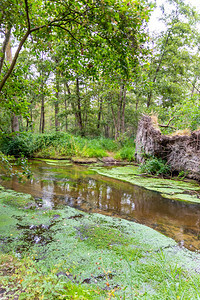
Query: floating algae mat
[[60, 185], [171, 189], [68, 254]]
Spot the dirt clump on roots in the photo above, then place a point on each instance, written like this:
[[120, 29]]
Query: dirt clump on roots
[[181, 150]]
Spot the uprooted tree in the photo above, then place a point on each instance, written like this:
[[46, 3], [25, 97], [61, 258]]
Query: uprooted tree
[[181, 152]]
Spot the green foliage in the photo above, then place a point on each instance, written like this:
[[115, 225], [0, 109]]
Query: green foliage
[[5, 164], [16, 145], [55, 145], [182, 175], [26, 280], [155, 166], [126, 153], [26, 172]]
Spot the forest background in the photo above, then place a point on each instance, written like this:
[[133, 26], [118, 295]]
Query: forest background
[[72, 71]]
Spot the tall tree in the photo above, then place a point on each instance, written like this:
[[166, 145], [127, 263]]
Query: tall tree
[[117, 24]]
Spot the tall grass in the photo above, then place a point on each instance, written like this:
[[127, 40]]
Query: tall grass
[[56, 145]]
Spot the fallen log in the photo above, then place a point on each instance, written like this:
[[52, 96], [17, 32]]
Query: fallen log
[[181, 151]]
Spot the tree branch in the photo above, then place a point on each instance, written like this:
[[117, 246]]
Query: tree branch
[[14, 60], [162, 125], [27, 15], [65, 29], [3, 49]]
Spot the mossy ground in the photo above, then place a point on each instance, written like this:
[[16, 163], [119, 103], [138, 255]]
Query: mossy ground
[[69, 254], [173, 189]]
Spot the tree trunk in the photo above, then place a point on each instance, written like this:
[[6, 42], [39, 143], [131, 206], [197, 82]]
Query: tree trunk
[[119, 122], [14, 123], [150, 94], [66, 121], [72, 103], [123, 111], [14, 118], [100, 112], [42, 115], [56, 104], [79, 114], [115, 121], [4, 46]]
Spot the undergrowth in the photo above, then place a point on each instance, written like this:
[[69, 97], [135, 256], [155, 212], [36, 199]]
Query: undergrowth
[[155, 166], [21, 278], [61, 144]]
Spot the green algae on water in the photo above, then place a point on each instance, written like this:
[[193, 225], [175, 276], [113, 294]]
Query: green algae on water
[[172, 189]]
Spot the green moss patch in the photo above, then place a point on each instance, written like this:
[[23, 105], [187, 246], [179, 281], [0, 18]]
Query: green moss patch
[[172, 189], [13, 198]]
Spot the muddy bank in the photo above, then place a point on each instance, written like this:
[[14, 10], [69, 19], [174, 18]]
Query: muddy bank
[[92, 256], [182, 152]]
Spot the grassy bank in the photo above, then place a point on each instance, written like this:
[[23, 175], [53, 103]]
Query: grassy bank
[[69, 254], [61, 145]]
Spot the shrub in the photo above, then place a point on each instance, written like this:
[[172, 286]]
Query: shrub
[[126, 153], [17, 145], [155, 166]]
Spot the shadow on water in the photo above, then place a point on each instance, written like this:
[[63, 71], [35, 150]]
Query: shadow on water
[[78, 187]]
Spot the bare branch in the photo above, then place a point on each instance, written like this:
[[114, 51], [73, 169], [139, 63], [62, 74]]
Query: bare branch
[[27, 15], [162, 125]]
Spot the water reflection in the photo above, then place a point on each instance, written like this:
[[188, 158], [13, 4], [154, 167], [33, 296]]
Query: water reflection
[[77, 187]]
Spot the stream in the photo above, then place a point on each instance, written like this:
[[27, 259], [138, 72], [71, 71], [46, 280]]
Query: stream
[[58, 185]]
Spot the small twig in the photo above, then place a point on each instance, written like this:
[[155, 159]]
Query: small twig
[[162, 125]]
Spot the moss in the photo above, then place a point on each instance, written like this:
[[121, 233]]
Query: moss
[[13, 198], [172, 189]]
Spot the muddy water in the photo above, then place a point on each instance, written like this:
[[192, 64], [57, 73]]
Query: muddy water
[[78, 187]]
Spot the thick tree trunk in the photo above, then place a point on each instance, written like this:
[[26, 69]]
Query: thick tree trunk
[[14, 123]]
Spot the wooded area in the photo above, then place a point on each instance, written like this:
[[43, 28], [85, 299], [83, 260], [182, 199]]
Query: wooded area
[[83, 84], [92, 67]]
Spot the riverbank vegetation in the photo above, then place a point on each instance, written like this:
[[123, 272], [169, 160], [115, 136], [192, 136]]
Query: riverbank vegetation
[[60, 145]]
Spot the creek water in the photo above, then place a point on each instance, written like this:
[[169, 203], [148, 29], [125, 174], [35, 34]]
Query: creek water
[[79, 187]]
